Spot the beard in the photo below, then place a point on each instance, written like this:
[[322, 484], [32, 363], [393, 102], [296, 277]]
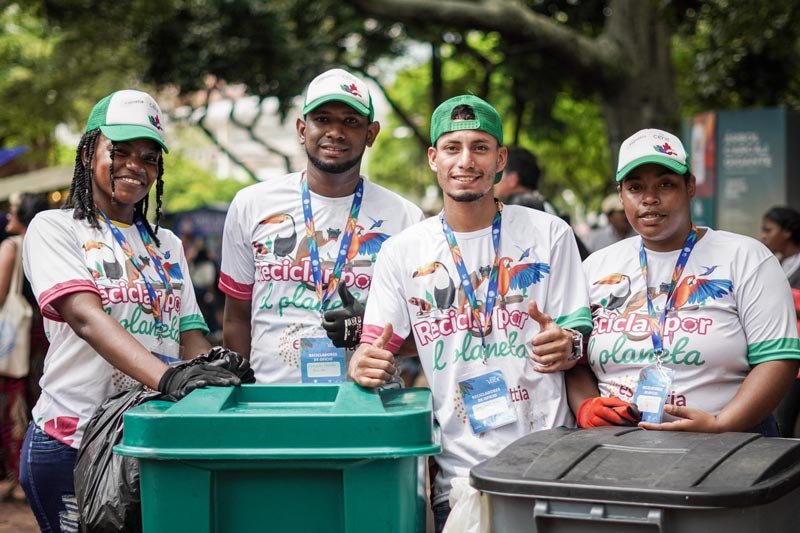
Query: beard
[[334, 168], [468, 196]]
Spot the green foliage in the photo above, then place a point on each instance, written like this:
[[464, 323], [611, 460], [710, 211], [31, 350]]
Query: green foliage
[[58, 57], [578, 158], [738, 53], [25, 45], [186, 186]]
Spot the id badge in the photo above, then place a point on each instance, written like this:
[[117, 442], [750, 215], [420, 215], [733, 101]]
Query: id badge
[[655, 383], [321, 361], [487, 401]]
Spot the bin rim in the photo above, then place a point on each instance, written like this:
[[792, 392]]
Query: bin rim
[[693, 498], [277, 453]]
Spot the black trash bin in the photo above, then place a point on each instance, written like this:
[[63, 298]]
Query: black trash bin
[[629, 480]]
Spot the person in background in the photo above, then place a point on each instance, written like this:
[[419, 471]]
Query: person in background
[[520, 182], [14, 392], [519, 186], [114, 290], [204, 275], [617, 228], [477, 286], [780, 232], [706, 316], [298, 251]]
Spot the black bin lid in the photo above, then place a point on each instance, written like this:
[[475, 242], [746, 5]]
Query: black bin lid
[[634, 466]]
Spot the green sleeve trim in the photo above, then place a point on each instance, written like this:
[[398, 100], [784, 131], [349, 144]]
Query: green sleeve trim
[[580, 320], [191, 322], [774, 350]]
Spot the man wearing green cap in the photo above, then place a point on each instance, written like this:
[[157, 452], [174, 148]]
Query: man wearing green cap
[[298, 251], [491, 294]]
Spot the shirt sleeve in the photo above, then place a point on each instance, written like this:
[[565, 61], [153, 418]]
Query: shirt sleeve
[[190, 315], [54, 263], [767, 314], [567, 294], [238, 271], [385, 303]]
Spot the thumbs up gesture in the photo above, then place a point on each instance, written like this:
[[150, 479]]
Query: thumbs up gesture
[[372, 365], [551, 348], [343, 325]]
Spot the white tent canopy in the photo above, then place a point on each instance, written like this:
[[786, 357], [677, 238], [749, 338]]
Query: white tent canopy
[[44, 180]]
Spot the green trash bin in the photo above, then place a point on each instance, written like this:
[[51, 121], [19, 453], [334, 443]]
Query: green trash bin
[[283, 458]]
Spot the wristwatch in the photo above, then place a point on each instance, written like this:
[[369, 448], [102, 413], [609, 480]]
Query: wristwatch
[[577, 343]]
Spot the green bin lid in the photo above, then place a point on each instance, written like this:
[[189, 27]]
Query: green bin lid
[[284, 421]]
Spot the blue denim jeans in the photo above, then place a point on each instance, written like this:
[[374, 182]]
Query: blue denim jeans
[[440, 513], [45, 474]]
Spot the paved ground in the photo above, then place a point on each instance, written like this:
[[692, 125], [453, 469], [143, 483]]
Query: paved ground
[[16, 517]]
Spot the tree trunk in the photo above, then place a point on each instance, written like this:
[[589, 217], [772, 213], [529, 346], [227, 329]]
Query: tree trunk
[[629, 64], [648, 98]]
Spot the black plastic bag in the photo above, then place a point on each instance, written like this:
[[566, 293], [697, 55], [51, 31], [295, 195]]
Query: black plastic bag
[[107, 484]]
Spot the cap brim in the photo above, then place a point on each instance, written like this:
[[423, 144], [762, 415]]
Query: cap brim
[[678, 168], [126, 132], [358, 106]]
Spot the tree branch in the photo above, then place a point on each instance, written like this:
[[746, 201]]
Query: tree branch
[[600, 58], [421, 137]]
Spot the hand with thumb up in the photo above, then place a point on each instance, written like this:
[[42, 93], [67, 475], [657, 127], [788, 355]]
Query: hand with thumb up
[[372, 365], [551, 348]]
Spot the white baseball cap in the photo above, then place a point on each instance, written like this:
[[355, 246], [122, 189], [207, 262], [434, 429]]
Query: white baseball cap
[[340, 86], [652, 146], [128, 114]]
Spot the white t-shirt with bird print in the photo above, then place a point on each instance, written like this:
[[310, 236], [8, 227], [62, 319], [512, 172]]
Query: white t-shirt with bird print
[[63, 256], [265, 259], [732, 310], [416, 289]]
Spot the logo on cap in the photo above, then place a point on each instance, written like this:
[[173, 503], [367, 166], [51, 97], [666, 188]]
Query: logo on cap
[[666, 149], [156, 122], [352, 89]]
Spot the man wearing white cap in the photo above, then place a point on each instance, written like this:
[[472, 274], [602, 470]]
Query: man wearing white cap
[[695, 326], [298, 251]]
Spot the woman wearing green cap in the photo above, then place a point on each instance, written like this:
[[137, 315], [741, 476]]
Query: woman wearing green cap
[[690, 324], [117, 306]]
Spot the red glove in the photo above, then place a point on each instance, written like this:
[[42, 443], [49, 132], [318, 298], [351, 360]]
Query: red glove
[[595, 412]]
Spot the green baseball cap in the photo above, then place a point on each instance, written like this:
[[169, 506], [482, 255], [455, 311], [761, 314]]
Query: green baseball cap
[[486, 119], [128, 114]]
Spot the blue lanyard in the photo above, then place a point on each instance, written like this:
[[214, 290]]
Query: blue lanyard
[[344, 246], [658, 332], [155, 305], [491, 294]]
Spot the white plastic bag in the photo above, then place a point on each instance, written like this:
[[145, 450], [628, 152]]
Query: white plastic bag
[[469, 509]]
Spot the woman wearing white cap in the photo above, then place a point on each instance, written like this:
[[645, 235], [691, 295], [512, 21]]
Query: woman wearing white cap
[[694, 326], [117, 307]]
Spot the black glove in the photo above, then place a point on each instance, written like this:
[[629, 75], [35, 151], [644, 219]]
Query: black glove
[[229, 360], [343, 325], [178, 381]]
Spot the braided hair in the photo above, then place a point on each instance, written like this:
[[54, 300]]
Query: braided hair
[[81, 191]]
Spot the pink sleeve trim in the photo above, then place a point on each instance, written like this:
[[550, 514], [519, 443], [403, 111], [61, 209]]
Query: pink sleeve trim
[[370, 334], [60, 290], [240, 291]]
